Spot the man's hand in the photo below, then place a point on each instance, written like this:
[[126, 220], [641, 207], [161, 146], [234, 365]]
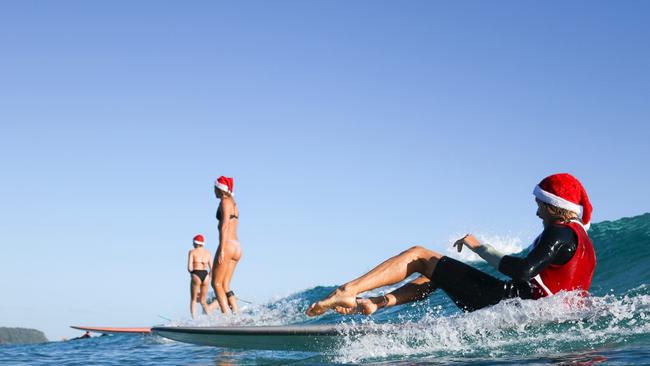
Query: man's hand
[[468, 240]]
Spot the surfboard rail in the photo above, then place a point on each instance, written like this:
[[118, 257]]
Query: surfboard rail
[[280, 337], [114, 330]]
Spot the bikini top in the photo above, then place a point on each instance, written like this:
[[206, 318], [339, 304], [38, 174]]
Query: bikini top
[[220, 215]]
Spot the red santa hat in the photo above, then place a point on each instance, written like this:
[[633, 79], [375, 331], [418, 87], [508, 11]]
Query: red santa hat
[[198, 240], [565, 191], [225, 184]]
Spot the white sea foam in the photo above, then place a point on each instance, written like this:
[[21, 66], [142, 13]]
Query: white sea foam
[[511, 328], [523, 327], [276, 312]]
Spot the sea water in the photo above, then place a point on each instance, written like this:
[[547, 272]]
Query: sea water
[[610, 327]]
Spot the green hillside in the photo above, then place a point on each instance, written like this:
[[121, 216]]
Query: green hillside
[[21, 336]]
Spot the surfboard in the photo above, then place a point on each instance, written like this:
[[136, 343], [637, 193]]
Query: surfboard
[[114, 330], [284, 338]]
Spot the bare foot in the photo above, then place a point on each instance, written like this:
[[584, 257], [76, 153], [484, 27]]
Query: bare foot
[[339, 298], [212, 306], [364, 306], [367, 306]]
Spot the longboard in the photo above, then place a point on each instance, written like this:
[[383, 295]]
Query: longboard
[[285, 338], [114, 330]]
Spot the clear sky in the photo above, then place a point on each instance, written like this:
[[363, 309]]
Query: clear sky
[[353, 129]]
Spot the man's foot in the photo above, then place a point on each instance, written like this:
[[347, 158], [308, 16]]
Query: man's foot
[[338, 298], [364, 306]]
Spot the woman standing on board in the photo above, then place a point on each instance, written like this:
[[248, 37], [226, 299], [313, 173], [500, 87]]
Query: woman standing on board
[[229, 251], [562, 258], [199, 263]]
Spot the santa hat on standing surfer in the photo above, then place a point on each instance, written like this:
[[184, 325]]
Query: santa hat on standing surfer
[[565, 191], [225, 184]]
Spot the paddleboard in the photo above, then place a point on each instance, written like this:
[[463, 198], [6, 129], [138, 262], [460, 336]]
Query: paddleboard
[[285, 338], [114, 330]]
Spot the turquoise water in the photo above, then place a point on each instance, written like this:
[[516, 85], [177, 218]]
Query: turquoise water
[[612, 328]]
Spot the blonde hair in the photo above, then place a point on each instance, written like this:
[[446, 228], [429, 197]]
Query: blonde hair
[[558, 213]]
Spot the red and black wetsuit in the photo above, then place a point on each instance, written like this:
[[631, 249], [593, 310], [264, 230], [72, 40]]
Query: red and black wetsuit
[[561, 258]]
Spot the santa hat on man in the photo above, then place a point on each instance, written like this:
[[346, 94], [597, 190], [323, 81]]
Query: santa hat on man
[[198, 240], [565, 191], [225, 184]]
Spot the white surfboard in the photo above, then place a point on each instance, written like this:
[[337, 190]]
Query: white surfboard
[[286, 338]]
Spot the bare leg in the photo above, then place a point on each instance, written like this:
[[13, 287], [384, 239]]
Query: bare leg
[[232, 300], [205, 286], [217, 285], [393, 270], [218, 275], [195, 285], [415, 290]]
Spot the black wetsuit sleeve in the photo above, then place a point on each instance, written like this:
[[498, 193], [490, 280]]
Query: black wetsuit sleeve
[[556, 245]]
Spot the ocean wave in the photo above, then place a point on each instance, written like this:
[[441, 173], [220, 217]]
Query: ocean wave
[[513, 327], [617, 313]]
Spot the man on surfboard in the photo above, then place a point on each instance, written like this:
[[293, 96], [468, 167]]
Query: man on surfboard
[[562, 258]]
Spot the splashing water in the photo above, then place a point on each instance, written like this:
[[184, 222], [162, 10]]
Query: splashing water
[[613, 324], [617, 315]]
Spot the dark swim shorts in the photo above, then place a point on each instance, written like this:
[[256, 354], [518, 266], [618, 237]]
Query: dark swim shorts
[[472, 289]]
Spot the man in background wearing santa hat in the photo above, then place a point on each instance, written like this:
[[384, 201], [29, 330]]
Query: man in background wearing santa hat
[[562, 258]]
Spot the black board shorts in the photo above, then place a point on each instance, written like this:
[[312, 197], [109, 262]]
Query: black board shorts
[[472, 289]]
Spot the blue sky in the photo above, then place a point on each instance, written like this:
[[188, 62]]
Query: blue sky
[[352, 129]]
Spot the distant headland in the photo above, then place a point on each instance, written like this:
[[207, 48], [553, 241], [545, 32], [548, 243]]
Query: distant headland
[[21, 336]]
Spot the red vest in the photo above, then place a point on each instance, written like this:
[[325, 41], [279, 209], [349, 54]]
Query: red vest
[[576, 273]]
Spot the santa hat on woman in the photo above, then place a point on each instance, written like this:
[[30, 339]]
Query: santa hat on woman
[[225, 184], [198, 240], [565, 191]]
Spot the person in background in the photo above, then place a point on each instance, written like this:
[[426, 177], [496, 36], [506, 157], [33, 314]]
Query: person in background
[[84, 336], [199, 263], [229, 251]]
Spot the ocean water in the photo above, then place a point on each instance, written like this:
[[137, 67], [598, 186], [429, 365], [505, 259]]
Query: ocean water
[[611, 327]]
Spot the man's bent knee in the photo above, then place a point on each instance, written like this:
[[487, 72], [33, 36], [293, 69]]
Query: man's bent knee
[[413, 250], [424, 259], [420, 251]]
